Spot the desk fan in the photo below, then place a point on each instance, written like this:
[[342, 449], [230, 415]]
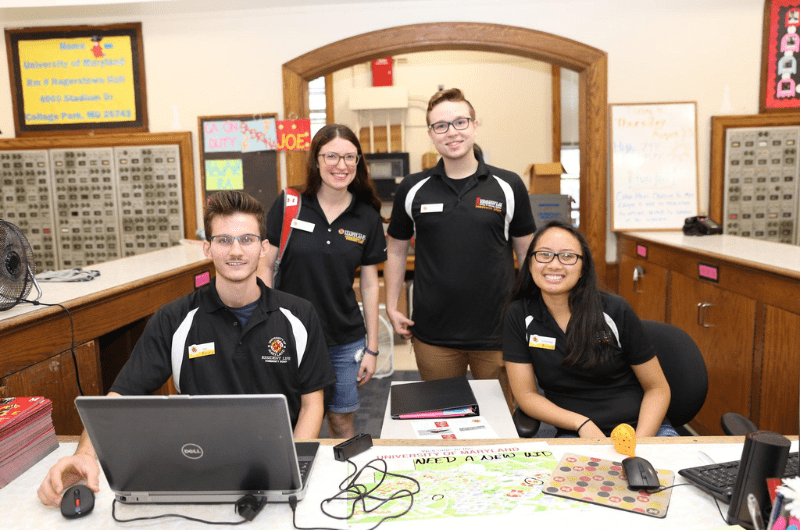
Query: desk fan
[[17, 268]]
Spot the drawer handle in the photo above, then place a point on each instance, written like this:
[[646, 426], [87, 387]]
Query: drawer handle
[[701, 314], [638, 274]]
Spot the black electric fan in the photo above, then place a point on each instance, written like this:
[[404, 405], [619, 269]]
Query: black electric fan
[[17, 267]]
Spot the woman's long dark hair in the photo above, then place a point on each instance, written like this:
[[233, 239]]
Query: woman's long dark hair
[[361, 187], [587, 333]]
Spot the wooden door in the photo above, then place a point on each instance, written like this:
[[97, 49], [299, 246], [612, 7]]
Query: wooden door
[[644, 286], [723, 325]]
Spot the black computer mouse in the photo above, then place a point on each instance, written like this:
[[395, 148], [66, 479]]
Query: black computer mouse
[[77, 502], [640, 473]]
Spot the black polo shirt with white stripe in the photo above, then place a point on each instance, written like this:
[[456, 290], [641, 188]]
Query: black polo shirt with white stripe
[[201, 343], [609, 394], [464, 264], [321, 258]]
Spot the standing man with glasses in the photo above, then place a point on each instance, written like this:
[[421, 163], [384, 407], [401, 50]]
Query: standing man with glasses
[[232, 336], [338, 230], [468, 220]]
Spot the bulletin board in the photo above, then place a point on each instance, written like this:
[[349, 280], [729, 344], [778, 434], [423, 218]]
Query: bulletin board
[[239, 153], [77, 79], [654, 183]]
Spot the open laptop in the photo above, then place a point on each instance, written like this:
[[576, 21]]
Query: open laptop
[[197, 449]]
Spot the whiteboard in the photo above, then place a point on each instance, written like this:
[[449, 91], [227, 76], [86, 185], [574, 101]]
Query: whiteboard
[[653, 165]]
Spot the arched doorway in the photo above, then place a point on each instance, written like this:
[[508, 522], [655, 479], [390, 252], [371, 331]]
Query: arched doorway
[[590, 63]]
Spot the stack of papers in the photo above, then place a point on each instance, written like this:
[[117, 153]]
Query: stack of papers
[[26, 435]]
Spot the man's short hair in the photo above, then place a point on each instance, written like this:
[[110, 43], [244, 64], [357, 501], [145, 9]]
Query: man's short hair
[[230, 202], [450, 94]]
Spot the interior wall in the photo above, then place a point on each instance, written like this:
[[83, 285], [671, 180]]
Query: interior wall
[[529, 118], [209, 57]]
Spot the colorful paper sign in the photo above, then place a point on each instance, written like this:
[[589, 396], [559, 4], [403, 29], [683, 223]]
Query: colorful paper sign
[[294, 135], [224, 175]]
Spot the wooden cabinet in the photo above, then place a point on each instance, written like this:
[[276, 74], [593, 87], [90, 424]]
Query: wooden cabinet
[[780, 371], [738, 299], [54, 378], [722, 324], [644, 286]]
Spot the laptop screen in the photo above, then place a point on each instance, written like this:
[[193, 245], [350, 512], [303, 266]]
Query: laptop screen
[[193, 448]]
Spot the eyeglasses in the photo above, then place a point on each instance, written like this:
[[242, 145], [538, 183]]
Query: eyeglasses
[[441, 127], [566, 258], [332, 159], [227, 241]]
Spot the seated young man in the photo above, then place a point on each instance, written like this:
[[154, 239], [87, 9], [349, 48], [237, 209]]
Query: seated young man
[[233, 336]]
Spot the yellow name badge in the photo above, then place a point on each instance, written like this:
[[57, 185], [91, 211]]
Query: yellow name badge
[[201, 350], [546, 343]]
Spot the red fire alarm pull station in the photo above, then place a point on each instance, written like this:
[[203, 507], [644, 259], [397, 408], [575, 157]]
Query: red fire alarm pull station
[[382, 72]]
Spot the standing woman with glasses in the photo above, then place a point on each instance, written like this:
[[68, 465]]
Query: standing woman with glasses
[[338, 229], [587, 348]]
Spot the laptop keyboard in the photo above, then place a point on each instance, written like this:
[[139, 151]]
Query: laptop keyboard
[[719, 479], [305, 468]]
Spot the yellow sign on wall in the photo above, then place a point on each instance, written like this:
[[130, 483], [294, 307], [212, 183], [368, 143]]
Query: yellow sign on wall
[[77, 80]]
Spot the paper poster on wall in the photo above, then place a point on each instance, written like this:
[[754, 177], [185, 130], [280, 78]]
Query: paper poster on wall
[[249, 136], [653, 165], [224, 175], [294, 135]]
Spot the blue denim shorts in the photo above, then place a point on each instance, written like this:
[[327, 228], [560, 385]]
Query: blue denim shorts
[[345, 391]]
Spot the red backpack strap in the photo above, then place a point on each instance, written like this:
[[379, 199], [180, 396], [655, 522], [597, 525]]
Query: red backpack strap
[[291, 210]]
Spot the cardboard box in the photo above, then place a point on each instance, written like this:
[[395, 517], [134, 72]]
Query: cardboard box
[[546, 178]]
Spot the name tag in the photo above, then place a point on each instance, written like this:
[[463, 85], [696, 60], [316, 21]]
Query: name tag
[[201, 350], [430, 208], [546, 343], [302, 225]]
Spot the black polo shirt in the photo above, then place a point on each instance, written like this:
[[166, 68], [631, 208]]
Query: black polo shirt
[[609, 394], [464, 264], [320, 261], [200, 342]]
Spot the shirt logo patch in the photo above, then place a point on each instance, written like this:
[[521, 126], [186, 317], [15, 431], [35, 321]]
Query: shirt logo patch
[[355, 237], [276, 347], [486, 204], [546, 343], [201, 350]]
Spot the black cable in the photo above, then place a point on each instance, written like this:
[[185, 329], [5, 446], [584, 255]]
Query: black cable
[[356, 493], [72, 337], [114, 515]]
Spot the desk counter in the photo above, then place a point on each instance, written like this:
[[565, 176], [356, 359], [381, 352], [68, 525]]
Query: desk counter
[[689, 507], [35, 358], [738, 299]]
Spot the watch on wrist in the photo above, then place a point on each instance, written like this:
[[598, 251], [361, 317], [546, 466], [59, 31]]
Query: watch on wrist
[[375, 353]]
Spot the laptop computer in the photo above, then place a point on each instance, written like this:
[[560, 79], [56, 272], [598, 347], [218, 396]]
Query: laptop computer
[[197, 449]]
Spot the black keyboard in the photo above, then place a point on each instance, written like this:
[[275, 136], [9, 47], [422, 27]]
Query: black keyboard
[[719, 479]]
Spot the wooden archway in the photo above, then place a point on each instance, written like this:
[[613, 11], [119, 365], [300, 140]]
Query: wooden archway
[[590, 63]]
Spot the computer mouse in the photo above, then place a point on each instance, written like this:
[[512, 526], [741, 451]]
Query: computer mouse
[[77, 502], [640, 473]]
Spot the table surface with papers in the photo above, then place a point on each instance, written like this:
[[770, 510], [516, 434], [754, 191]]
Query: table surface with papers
[[453, 476]]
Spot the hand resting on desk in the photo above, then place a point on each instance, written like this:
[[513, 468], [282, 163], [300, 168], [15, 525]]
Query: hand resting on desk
[[65, 473]]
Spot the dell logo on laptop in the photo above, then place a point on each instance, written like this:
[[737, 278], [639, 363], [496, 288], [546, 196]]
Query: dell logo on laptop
[[192, 451]]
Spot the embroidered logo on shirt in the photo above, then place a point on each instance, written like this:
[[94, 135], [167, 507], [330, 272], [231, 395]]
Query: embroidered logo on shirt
[[276, 347], [201, 350], [546, 343], [486, 204], [355, 237]]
